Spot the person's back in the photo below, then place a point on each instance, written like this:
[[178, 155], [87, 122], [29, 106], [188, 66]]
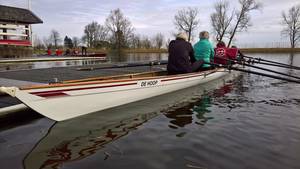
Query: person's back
[[181, 56], [203, 49]]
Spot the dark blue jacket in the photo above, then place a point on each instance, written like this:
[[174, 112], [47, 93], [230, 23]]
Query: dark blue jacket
[[181, 57]]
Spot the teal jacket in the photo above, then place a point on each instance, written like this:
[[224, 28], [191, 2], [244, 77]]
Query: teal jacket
[[204, 50]]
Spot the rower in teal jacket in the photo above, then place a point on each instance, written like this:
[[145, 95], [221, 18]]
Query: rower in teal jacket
[[203, 49]]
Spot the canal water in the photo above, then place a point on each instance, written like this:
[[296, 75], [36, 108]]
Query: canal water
[[245, 122], [111, 58]]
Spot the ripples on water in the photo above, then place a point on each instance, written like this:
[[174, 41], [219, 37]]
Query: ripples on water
[[251, 122]]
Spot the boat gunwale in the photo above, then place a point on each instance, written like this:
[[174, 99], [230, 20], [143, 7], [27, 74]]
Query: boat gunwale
[[94, 82]]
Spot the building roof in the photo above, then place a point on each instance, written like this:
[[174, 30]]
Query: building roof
[[18, 15]]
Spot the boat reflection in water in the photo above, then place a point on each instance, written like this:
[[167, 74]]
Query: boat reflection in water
[[82, 137]]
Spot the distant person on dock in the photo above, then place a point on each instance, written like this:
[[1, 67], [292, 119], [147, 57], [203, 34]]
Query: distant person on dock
[[68, 52], [204, 50], [83, 50], [181, 56]]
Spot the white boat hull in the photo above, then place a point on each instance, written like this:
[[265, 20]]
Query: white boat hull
[[61, 103]]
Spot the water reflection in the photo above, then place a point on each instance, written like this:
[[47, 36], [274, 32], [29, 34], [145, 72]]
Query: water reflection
[[72, 141], [182, 115], [137, 57], [44, 65]]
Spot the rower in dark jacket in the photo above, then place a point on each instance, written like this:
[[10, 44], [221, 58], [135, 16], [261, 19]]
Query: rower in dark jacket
[[181, 56]]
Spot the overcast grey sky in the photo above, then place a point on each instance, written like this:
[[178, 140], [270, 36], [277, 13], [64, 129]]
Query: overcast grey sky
[[149, 16]]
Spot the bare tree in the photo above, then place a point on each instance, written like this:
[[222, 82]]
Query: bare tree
[[38, 44], [291, 21], [94, 33], [159, 40], [120, 28], [76, 41], [146, 42], [243, 17], [220, 19], [47, 42], [135, 42], [55, 38], [186, 20]]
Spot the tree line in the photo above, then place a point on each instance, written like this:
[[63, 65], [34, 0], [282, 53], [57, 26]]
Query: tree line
[[117, 32]]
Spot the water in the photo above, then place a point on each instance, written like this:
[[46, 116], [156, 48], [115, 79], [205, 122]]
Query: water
[[112, 58], [45, 65], [249, 122]]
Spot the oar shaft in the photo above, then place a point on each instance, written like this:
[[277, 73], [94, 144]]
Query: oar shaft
[[269, 70], [257, 73], [264, 74], [277, 65], [261, 68], [270, 61]]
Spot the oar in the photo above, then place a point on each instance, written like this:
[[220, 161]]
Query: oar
[[277, 63], [264, 74], [125, 66], [265, 69], [253, 72], [257, 67]]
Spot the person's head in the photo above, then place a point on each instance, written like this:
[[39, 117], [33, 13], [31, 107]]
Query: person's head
[[182, 35], [221, 44], [204, 35], [233, 46]]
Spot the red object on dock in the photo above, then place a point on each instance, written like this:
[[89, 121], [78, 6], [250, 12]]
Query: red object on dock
[[49, 52], [58, 52]]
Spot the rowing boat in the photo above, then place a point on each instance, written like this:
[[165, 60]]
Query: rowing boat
[[69, 99], [99, 129]]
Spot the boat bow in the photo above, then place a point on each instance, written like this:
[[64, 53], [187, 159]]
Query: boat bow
[[9, 90]]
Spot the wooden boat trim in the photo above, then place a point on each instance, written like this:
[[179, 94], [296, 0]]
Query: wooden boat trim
[[55, 93], [130, 77], [91, 81]]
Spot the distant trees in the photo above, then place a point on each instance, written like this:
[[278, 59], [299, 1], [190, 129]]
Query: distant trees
[[120, 29], [135, 42], [187, 20], [94, 34], [242, 17], [159, 40], [291, 22], [221, 19], [228, 24], [55, 38]]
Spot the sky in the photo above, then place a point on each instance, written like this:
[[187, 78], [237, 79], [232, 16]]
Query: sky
[[149, 17]]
